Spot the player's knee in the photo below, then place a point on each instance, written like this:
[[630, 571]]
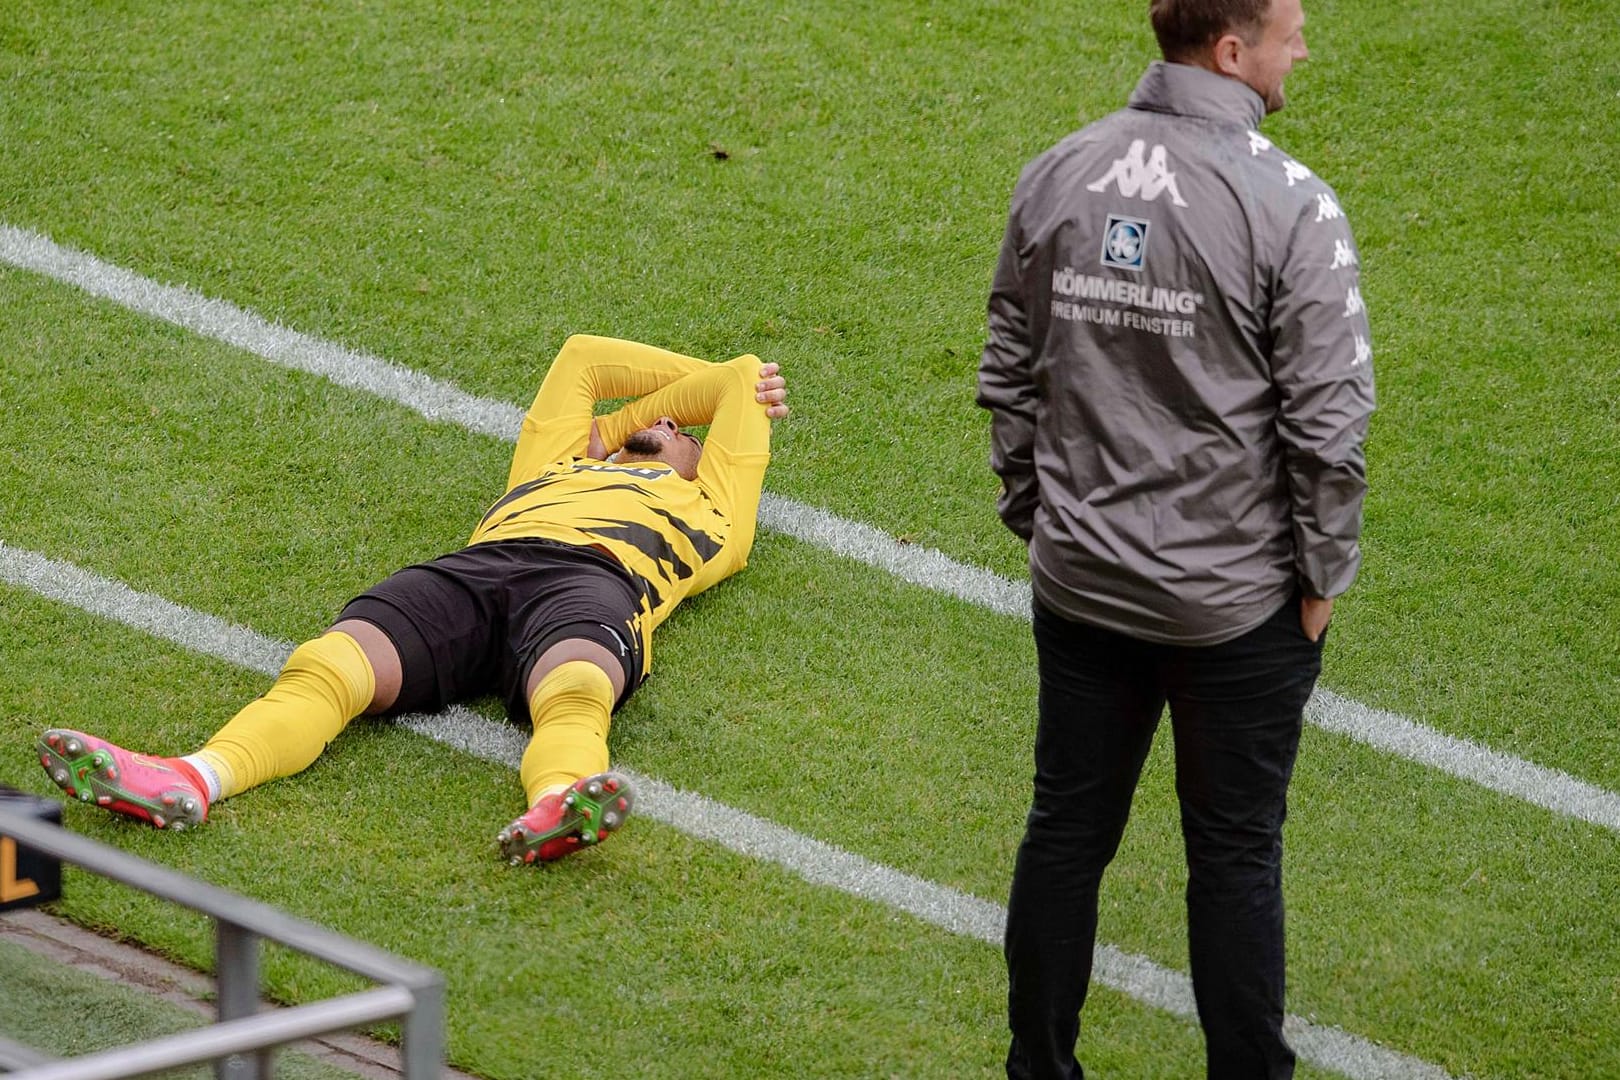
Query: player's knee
[[577, 683], [335, 662]]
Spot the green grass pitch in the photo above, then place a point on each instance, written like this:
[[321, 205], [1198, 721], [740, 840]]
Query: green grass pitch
[[457, 187]]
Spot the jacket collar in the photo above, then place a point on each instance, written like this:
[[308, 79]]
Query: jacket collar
[[1194, 91]]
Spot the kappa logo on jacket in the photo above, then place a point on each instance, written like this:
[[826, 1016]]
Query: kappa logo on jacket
[[1141, 178], [1363, 351], [1353, 304]]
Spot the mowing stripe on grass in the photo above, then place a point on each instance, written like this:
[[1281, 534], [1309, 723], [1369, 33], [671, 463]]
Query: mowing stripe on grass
[[217, 319], [816, 862]]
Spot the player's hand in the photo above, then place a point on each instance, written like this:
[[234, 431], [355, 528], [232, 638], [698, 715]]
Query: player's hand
[[594, 446], [1314, 615], [771, 391]]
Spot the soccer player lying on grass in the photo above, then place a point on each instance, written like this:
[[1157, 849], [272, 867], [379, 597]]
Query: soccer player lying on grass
[[606, 525]]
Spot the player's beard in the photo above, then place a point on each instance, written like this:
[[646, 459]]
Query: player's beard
[[644, 442]]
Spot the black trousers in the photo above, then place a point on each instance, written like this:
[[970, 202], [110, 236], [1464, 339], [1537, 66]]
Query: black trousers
[[1235, 711]]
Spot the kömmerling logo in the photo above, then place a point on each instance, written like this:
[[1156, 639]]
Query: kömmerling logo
[[1073, 284], [1138, 178]]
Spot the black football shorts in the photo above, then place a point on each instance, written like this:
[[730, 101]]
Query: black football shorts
[[474, 621]]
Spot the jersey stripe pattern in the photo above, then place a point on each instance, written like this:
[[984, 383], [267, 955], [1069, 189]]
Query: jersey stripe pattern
[[675, 536], [661, 527]]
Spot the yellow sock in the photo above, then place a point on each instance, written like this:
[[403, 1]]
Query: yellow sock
[[572, 708], [326, 683]]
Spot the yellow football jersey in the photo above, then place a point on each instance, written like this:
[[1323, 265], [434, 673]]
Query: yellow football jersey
[[677, 536]]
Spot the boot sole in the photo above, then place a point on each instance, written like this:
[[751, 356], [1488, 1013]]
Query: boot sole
[[91, 776], [592, 812]]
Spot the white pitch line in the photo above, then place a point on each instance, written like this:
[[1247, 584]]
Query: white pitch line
[[736, 830], [1500, 772]]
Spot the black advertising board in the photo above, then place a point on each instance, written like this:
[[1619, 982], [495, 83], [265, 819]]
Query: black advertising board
[[26, 876]]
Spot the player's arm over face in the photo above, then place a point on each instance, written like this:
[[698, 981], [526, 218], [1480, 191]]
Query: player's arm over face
[[731, 469], [737, 399], [587, 370]]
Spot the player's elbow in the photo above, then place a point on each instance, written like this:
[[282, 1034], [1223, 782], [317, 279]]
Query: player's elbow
[[747, 368], [573, 353]]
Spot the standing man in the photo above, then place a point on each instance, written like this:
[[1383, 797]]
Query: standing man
[[1179, 378], [607, 523]]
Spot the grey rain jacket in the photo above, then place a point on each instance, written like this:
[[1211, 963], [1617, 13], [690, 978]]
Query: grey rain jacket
[[1179, 369]]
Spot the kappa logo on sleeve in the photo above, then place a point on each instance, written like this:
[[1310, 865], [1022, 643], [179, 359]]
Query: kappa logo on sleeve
[[1140, 177], [1363, 351], [1125, 243]]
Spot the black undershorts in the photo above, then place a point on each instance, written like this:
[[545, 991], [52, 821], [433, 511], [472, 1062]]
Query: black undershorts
[[474, 621]]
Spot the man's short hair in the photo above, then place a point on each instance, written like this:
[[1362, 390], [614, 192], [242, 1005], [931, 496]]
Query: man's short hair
[[1186, 28]]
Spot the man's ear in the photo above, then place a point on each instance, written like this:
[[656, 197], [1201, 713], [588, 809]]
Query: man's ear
[[1227, 55]]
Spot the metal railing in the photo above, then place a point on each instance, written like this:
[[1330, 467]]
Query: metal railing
[[240, 1042]]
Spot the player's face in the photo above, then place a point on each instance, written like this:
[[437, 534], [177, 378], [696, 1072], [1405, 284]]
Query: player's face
[[665, 441], [1281, 45]]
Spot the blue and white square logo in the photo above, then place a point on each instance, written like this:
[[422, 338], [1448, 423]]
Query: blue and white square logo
[[1125, 243]]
